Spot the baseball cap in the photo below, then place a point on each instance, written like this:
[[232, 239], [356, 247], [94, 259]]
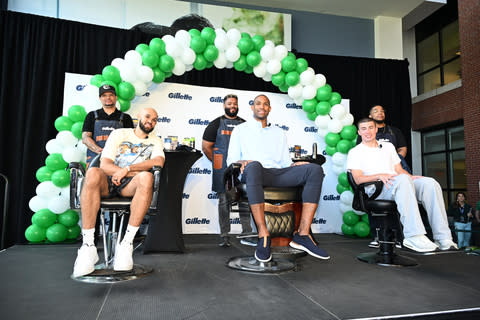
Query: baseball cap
[[106, 88]]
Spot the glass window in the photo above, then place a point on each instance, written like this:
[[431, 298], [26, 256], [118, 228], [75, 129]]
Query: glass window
[[429, 81], [452, 71], [433, 141], [435, 166], [458, 174], [456, 138], [450, 41], [428, 53]]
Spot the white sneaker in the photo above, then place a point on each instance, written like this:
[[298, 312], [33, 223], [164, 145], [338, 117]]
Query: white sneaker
[[419, 243], [446, 244], [374, 244], [123, 260], [87, 256]]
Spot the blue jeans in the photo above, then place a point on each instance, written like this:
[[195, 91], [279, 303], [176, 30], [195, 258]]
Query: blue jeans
[[463, 233]]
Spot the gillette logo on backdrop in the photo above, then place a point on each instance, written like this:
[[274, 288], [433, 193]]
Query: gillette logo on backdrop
[[185, 195], [331, 197], [178, 95], [197, 220], [319, 221], [212, 195], [216, 99], [164, 119], [198, 122], [293, 106], [283, 127], [197, 170], [310, 129]]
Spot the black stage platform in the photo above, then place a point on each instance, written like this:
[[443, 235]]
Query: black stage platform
[[35, 284]]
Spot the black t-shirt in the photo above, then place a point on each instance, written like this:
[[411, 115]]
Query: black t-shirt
[[210, 133], [89, 123]]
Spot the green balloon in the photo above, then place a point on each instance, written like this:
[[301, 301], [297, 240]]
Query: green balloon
[[364, 218], [258, 42], [348, 132], [324, 93], [44, 218], [73, 232], [168, 74], [150, 58], [77, 113], [309, 105], [330, 150], [312, 115], [124, 104], [111, 73], [141, 48], [361, 229], [343, 179], [248, 69], [126, 90], [245, 45], [61, 178], [200, 62], [209, 64], [241, 63], [347, 230], [208, 34], [336, 98], [210, 53], [302, 65], [278, 79], [343, 146], [166, 63], [254, 58], [246, 35], [43, 174], [283, 88], [292, 78], [291, 54], [157, 45], [158, 75], [69, 218], [56, 233], [76, 129], [55, 162], [35, 233], [97, 80], [323, 108], [289, 64], [341, 189], [63, 123], [332, 139], [194, 33], [350, 218], [198, 44]]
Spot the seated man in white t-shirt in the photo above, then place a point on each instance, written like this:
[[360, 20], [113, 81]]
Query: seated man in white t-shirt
[[123, 172], [372, 160]]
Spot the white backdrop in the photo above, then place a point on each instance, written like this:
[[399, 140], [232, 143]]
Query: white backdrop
[[186, 110]]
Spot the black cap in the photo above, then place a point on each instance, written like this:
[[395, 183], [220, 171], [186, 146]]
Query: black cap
[[106, 88]]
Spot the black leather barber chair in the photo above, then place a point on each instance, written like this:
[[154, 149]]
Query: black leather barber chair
[[283, 209], [384, 220], [119, 209]]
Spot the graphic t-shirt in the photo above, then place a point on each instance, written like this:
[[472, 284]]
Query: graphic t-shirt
[[124, 148]]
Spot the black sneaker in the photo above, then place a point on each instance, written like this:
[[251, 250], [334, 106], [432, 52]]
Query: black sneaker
[[252, 242], [225, 242], [262, 253], [306, 244]]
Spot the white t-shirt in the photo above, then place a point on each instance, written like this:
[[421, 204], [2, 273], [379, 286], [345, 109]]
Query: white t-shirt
[[124, 148], [373, 160]]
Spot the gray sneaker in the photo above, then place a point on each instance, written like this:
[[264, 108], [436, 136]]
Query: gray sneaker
[[252, 242]]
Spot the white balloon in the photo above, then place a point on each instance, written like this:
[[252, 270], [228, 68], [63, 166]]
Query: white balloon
[[173, 48], [54, 146], [220, 32], [82, 147], [58, 204], [66, 193], [117, 62], [322, 121], [269, 43], [47, 190], [229, 65], [267, 77], [221, 42], [335, 126], [140, 88], [339, 159], [66, 139], [274, 66], [233, 36], [179, 67], [338, 112], [295, 92], [127, 72], [168, 38], [280, 52], [260, 70], [188, 56], [145, 74], [307, 76], [267, 53], [133, 58], [221, 61], [309, 92], [298, 101], [38, 203], [346, 197], [183, 38], [337, 169], [188, 67], [319, 80], [347, 120], [345, 207], [72, 154], [232, 53], [322, 132]]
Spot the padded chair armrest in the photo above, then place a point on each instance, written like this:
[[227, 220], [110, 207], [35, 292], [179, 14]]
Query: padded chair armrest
[[378, 189], [157, 171], [230, 176], [78, 166]]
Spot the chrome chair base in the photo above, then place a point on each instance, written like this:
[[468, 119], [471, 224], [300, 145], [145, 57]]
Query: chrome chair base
[[250, 264], [392, 260], [107, 275]]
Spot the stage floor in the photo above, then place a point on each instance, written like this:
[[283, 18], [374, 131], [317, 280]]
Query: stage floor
[[35, 284]]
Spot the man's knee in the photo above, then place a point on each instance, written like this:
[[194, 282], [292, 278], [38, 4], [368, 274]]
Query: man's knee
[[145, 179], [252, 170], [94, 177]]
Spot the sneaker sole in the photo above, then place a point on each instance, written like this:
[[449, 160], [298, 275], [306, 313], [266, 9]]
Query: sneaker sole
[[417, 249], [300, 247], [246, 243], [374, 246], [266, 260], [89, 270]]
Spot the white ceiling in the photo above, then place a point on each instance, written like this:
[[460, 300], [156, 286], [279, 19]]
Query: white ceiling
[[367, 9]]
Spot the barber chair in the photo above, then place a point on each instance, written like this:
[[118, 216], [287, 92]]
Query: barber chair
[[118, 208], [384, 219], [283, 209]]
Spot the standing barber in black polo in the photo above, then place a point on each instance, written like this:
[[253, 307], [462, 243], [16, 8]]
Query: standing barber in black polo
[[100, 123]]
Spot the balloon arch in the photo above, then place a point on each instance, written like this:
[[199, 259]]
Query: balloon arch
[[131, 76]]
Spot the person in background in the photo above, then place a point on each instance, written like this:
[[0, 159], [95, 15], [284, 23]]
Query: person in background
[[462, 215]]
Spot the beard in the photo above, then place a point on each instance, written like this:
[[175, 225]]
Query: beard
[[142, 127], [379, 121], [230, 113]]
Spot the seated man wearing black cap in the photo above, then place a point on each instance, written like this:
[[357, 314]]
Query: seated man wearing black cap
[[99, 123]]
